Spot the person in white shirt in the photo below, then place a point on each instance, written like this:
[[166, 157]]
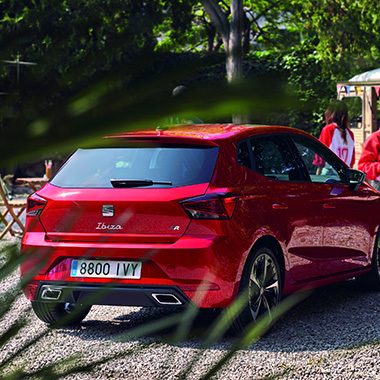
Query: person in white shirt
[[337, 136]]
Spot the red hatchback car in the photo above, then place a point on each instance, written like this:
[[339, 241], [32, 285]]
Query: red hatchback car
[[198, 214]]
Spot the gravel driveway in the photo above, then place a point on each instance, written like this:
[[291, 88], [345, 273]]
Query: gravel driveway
[[334, 334]]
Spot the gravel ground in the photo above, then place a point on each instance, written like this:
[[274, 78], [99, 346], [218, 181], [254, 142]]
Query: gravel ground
[[334, 334]]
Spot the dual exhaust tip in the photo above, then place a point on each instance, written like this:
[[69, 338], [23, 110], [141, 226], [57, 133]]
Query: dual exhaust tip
[[166, 299], [50, 293]]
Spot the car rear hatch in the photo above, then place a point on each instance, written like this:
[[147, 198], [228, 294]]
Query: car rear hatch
[[126, 194]]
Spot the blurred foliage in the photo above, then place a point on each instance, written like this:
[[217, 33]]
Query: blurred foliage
[[101, 65], [107, 107]]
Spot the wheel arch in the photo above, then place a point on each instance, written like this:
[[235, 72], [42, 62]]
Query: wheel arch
[[268, 241]]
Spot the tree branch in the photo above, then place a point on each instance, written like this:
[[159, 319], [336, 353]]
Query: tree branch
[[269, 8], [259, 29], [218, 18], [218, 44]]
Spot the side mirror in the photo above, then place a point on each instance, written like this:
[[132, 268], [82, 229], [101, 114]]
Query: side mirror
[[355, 178]]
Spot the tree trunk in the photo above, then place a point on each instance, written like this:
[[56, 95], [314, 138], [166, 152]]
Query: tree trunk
[[234, 64], [231, 34]]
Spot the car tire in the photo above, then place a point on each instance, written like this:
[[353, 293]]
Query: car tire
[[58, 314], [263, 292], [371, 280]]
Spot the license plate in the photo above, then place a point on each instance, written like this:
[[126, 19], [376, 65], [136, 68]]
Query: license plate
[[106, 269]]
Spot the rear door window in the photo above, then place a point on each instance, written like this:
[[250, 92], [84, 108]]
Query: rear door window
[[320, 163], [273, 158], [180, 166]]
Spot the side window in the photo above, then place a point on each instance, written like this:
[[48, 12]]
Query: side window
[[243, 157], [321, 165], [273, 159]]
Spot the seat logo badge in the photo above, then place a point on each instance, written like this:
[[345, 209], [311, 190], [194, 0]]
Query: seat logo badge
[[103, 226], [174, 228], [108, 210]]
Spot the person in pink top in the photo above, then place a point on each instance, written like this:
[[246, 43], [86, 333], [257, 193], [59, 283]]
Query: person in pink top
[[369, 161], [337, 136]]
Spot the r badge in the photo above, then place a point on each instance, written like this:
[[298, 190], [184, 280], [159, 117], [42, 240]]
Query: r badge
[[108, 210]]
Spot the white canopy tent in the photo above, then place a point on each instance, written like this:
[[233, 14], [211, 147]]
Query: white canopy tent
[[368, 77]]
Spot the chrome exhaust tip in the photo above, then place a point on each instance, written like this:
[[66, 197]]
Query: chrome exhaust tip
[[49, 293], [166, 299]]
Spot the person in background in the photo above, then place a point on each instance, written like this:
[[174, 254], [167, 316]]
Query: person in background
[[336, 135], [369, 161]]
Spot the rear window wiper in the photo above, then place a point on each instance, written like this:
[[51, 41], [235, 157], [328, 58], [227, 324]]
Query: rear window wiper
[[137, 182]]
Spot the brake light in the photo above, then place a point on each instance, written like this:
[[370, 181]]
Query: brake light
[[211, 206], [35, 205]]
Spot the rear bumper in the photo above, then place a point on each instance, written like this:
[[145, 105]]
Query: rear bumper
[[203, 269], [117, 295]]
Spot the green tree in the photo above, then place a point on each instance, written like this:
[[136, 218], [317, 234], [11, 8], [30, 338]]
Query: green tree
[[345, 33], [237, 26]]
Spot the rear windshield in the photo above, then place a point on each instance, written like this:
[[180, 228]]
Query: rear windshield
[[176, 166]]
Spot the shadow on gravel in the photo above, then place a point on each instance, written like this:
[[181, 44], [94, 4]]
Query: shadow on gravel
[[110, 329], [338, 316]]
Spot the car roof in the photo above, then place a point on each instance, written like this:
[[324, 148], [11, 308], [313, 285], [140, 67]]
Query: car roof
[[205, 132]]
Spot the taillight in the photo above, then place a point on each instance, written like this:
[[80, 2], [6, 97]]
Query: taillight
[[211, 206], [35, 205]]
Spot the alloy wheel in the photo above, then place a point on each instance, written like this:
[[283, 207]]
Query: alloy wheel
[[264, 288]]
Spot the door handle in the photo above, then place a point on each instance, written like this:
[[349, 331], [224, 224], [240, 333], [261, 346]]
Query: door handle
[[328, 206], [279, 206]]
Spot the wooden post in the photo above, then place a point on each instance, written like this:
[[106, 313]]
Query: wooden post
[[369, 111], [374, 110]]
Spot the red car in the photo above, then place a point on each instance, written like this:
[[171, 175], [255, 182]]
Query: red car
[[198, 214]]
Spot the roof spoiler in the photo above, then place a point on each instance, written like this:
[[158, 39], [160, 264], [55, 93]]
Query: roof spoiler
[[168, 139]]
